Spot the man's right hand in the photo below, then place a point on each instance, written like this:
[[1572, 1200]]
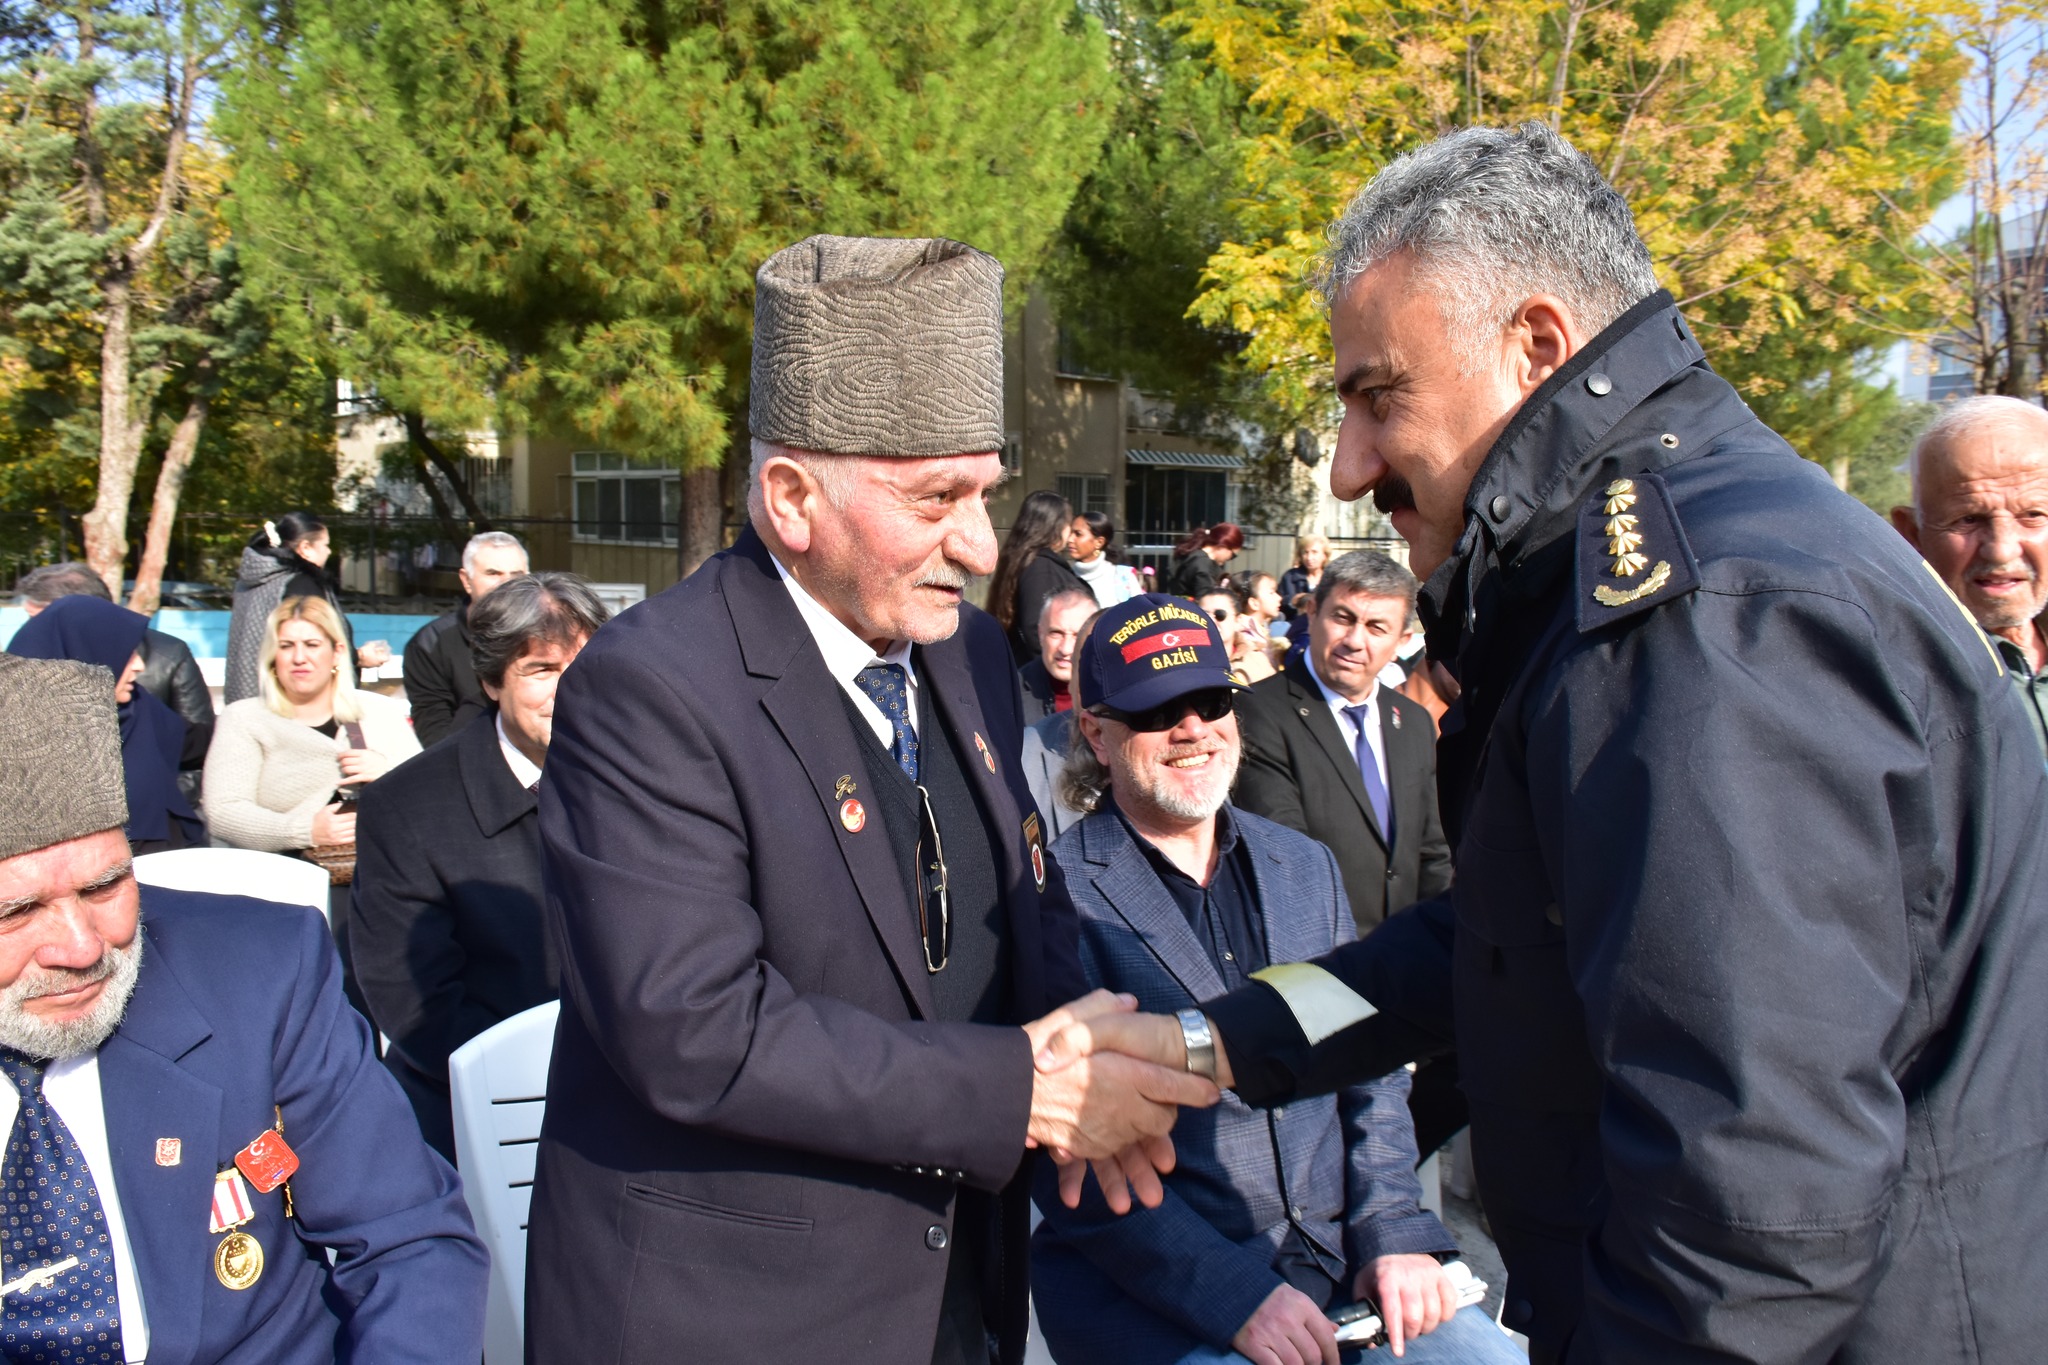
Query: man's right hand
[[1287, 1329], [1107, 1108]]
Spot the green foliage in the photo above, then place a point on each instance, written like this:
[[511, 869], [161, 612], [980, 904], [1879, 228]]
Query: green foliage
[[548, 212]]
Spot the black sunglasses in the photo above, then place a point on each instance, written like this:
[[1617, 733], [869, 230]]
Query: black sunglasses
[[1211, 704]]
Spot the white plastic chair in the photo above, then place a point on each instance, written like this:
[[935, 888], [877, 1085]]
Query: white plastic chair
[[499, 1082], [236, 872]]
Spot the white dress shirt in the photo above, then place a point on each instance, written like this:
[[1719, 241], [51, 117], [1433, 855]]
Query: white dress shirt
[[72, 1087], [523, 769], [846, 654], [1375, 738]]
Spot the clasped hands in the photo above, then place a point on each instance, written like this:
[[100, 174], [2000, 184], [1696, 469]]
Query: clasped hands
[[1107, 1087]]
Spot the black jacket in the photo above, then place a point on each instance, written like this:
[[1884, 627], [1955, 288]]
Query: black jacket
[[1193, 574], [440, 678], [1299, 769], [756, 1127], [1040, 700], [445, 925], [1044, 577], [171, 675], [1750, 926]]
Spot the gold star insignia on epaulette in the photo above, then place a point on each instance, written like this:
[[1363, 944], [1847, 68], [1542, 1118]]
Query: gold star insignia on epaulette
[[1624, 545]]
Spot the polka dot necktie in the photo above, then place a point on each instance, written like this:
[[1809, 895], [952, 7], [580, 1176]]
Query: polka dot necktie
[[888, 687], [52, 1208]]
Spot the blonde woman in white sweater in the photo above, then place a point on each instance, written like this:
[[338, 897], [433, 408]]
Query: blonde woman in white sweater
[[285, 765]]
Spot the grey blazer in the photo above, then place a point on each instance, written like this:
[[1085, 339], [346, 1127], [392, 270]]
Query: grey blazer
[[1046, 744], [1147, 1286]]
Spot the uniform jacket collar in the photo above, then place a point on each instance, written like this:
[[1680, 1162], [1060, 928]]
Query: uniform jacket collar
[[1523, 502]]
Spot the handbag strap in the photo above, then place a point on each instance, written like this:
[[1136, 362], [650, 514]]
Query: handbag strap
[[354, 731]]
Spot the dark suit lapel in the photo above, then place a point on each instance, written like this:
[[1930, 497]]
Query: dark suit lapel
[[944, 669], [1398, 745], [1314, 712], [805, 705], [495, 797], [1131, 886], [147, 1095]]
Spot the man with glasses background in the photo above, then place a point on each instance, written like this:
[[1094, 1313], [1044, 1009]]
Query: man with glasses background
[[1272, 1217]]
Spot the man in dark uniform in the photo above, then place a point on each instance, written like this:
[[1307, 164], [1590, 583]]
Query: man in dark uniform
[[800, 891], [1746, 952]]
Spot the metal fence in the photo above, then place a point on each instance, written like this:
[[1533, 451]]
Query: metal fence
[[389, 563]]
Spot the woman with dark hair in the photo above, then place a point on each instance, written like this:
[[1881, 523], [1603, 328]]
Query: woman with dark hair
[[285, 558], [1032, 567], [1088, 548], [155, 740], [1199, 558]]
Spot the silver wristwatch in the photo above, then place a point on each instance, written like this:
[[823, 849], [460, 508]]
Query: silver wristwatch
[[1201, 1043]]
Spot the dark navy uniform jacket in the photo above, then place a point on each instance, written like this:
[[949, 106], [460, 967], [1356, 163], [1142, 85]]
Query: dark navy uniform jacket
[[1747, 957], [238, 1023]]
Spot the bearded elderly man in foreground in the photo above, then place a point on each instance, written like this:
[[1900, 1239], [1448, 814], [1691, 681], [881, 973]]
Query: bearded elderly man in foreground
[[809, 933], [197, 1119], [1745, 954]]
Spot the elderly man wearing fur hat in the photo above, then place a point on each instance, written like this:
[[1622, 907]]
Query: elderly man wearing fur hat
[[810, 938], [196, 1120]]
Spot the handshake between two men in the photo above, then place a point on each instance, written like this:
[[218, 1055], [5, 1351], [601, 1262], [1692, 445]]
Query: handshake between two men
[[1108, 1086]]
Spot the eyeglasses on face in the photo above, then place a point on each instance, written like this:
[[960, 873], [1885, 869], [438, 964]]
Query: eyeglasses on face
[[1210, 704]]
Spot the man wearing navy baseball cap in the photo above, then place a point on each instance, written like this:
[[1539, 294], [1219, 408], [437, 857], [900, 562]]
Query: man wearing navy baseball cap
[[1273, 1218]]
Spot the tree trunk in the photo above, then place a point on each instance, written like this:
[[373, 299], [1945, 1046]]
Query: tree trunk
[[1839, 471], [416, 432], [163, 509], [702, 533], [106, 525]]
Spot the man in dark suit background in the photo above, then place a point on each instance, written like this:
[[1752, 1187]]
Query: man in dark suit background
[[1048, 679], [1331, 752], [445, 921], [167, 1056], [440, 682], [801, 892]]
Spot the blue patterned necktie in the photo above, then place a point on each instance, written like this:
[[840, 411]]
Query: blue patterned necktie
[[53, 1211], [887, 687], [1369, 769]]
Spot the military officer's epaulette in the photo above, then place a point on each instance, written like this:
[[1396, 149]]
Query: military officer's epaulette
[[1632, 553]]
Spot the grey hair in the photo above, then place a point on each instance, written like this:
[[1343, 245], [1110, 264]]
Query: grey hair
[[548, 607], [52, 581], [834, 474], [485, 540], [1368, 572], [1083, 780], [1966, 417], [1495, 216]]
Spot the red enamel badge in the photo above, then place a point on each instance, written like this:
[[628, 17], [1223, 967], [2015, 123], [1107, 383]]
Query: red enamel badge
[[268, 1161], [853, 815]]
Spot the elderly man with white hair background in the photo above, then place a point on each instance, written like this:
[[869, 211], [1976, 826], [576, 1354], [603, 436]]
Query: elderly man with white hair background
[[440, 682], [1980, 517]]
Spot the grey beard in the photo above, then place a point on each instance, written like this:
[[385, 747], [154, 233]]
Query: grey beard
[[1149, 789], [52, 1042]]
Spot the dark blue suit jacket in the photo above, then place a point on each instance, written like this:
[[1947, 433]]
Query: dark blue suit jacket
[[1150, 1285], [238, 1015], [756, 1125]]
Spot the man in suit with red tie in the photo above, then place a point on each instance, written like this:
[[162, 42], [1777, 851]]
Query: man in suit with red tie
[[1331, 752], [810, 935]]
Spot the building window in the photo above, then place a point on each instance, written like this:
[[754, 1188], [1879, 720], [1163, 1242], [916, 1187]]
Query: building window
[[620, 503], [1086, 492]]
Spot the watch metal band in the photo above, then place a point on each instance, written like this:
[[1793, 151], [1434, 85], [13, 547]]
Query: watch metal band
[[1200, 1042]]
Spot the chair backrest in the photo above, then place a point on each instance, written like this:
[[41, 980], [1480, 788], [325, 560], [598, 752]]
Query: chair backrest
[[499, 1084], [237, 872]]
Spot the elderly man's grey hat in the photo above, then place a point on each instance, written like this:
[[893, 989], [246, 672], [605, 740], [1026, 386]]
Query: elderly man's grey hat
[[879, 346], [60, 754]]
